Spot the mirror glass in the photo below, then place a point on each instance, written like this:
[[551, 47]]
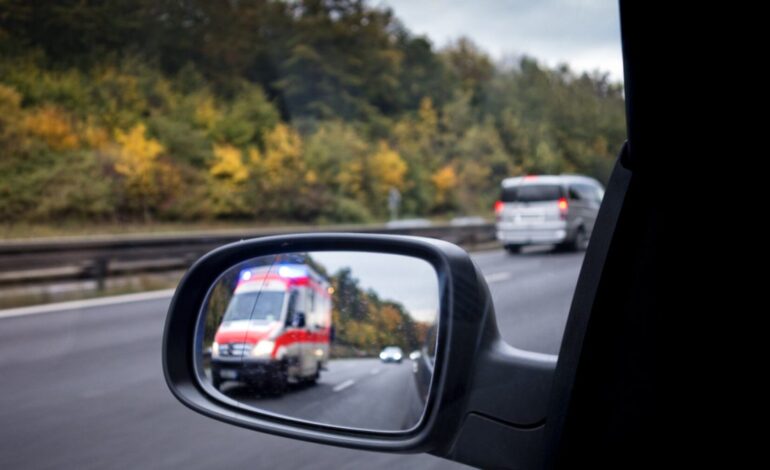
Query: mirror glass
[[343, 338]]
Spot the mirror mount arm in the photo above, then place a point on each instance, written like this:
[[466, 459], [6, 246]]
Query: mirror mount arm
[[506, 410], [512, 384]]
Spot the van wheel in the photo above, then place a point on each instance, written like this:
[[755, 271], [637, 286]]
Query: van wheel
[[581, 240], [578, 243], [513, 249], [216, 382]]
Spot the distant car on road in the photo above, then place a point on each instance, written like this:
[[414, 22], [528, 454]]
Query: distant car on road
[[547, 209], [392, 354]]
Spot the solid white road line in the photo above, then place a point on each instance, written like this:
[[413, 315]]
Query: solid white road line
[[78, 304], [344, 385], [497, 277]]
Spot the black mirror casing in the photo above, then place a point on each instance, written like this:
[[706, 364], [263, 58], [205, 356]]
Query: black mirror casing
[[479, 384]]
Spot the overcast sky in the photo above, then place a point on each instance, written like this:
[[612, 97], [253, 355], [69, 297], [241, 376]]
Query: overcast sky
[[410, 281], [583, 33]]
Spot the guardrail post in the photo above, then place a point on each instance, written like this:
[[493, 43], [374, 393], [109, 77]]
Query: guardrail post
[[100, 273]]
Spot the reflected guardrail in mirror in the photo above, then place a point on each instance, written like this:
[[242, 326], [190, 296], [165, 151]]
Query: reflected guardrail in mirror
[[339, 338]]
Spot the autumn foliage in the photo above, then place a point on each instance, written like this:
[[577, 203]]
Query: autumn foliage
[[307, 111]]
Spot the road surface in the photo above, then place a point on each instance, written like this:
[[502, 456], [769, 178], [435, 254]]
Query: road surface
[[84, 389], [360, 393]]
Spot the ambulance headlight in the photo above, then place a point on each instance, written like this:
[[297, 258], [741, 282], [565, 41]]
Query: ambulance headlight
[[263, 349]]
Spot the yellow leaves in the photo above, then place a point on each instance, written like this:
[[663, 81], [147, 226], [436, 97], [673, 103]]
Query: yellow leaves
[[95, 137], [255, 156], [282, 162], [10, 100], [282, 144], [386, 169], [228, 164], [10, 108], [417, 137], [146, 179], [351, 179], [261, 181], [418, 132], [226, 186], [427, 114], [369, 179], [52, 126], [445, 181], [206, 113], [390, 319], [137, 154]]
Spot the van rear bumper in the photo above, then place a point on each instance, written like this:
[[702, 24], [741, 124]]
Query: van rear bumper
[[528, 236]]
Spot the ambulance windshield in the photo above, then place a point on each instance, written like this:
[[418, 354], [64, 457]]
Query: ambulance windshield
[[255, 306]]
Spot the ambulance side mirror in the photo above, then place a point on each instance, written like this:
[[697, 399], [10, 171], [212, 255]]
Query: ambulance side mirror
[[299, 320], [376, 299]]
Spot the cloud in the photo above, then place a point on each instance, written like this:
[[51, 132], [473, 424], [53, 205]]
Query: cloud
[[582, 33]]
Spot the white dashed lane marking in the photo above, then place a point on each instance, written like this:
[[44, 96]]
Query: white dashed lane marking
[[344, 385], [497, 277]]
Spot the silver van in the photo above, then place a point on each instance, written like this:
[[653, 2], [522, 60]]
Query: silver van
[[547, 209]]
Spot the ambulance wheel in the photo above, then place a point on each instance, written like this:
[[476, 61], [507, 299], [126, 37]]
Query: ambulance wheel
[[317, 375]]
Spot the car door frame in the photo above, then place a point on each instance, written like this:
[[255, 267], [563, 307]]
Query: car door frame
[[603, 409]]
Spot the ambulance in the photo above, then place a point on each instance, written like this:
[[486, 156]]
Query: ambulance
[[276, 329]]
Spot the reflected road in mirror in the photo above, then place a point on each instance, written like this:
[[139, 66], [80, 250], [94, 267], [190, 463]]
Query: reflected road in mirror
[[339, 338]]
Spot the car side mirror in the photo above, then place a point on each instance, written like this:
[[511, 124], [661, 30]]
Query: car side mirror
[[465, 395]]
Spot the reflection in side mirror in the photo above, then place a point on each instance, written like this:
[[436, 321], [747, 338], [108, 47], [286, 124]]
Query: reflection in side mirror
[[324, 337]]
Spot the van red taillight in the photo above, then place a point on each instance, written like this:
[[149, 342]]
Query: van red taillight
[[563, 207], [498, 207]]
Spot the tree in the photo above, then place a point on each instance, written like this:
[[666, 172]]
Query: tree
[[341, 61], [418, 139], [279, 187], [469, 64], [146, 179], [226, 185], [267, 110], [445, 181], [484, 162], [52, 126]]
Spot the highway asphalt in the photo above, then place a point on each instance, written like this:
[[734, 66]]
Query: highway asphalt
[[83, 388], [360, 393]]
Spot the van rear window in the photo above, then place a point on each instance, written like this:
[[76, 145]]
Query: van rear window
[[532, 193]]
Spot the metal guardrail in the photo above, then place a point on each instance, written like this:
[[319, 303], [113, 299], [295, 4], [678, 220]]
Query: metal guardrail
[[99, 257]]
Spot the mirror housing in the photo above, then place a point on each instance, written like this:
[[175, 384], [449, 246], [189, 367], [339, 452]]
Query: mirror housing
[[484, 394]]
